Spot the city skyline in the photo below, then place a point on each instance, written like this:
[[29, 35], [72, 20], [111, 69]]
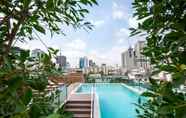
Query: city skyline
[[109, 38]]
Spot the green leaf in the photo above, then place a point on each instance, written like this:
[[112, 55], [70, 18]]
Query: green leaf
[[84, 1], [139, 100], [26, 3], [137, 111], [19, 107], [50, 4], [95, 2], [15, 82], [26, 98], [165, 110], [39, 28], [35, 110], [148, 94], [54, 116], [24, 55], [84, 11]]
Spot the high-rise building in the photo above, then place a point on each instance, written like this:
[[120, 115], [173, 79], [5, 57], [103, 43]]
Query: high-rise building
[[141, 60], [61, 61], [128, 59], [36, 53], [133, 58], [104, 69], [91, 63], [83, 62]]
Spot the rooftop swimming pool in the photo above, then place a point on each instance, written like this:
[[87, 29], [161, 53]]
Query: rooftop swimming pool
[[116, 100]]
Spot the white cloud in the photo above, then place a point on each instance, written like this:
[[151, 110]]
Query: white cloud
[[110, 57], [114, 55], [123, 32], [76, 44], [120, 41], [73, 50], [119, 12], [114, 5], [98, 23], [122, 36]]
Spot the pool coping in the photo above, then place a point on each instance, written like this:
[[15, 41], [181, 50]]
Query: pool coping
[[139, 92], [123, 84]]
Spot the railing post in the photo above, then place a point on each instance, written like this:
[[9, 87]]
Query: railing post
[[66, 92]]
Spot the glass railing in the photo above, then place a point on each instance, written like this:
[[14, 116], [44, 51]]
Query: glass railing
[[60, 96]]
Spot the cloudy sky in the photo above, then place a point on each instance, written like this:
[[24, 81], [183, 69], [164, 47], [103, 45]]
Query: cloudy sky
[[104, 44]]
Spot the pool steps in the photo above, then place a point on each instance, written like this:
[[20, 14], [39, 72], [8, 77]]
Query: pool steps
[[79, 105]]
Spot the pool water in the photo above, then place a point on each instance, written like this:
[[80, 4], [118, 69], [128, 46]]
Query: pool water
[[116, 101]]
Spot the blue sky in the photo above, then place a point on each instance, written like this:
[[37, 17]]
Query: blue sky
[[110, 37]]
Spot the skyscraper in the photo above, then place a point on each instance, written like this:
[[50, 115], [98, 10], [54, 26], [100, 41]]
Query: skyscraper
[[128, 59], [133, 58], [140, 59], [104, 69], [83, 62], [61, 61], [91, 63]]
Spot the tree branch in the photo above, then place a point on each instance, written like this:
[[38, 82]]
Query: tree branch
[[11, 36]]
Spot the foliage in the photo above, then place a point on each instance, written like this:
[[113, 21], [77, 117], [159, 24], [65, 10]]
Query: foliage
[[61, 114], [89, 79], [163, 22], [20, 75], [21, 18], [23, 79]]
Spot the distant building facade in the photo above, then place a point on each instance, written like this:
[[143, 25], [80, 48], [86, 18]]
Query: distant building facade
[[128, 59], [134, 59], [36, 53], [83, 62], [104, 69], [141, 60], [61, 61], [92, 63]]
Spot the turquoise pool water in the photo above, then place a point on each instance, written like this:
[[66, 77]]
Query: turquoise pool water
[[116, 101]]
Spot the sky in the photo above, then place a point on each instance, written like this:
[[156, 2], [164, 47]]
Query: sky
[[104, 44]]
